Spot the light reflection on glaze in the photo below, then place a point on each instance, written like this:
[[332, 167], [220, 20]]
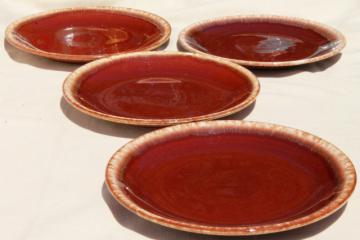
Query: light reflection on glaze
[[96, 40], [163, 97], [158, 80], [272, 45], [325, 48], [91, 36], [260, 41]]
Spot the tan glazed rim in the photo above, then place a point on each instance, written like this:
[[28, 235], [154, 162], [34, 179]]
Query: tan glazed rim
[[12, 37], [72, 82], [324, 30], [338, 161]]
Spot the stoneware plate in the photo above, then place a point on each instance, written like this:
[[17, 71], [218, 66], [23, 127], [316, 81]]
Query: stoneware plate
[[88, 33], [263, 41], [160, 88], [230, 177]]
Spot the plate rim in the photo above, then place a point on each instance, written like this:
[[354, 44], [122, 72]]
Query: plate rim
[[71, 82], [117, 163], [294, 21], [12, 39]]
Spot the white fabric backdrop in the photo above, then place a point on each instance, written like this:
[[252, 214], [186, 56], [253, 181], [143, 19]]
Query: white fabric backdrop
[[53, 158]]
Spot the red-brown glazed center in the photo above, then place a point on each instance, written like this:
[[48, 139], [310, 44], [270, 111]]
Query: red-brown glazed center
[[259, 41], [163, 87], [89, 32], [230, 179]]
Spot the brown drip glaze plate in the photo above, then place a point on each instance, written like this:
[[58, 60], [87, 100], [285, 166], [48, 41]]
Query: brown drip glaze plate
[[87, 33], [231, 177], [263, 41], [160, 88]]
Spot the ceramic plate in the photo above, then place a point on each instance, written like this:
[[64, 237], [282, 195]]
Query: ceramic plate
[[230, 177], [85, 34], [160, 88], [263, 41]]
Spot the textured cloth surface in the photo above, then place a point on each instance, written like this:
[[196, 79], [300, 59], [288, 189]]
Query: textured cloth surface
[[53, 158]]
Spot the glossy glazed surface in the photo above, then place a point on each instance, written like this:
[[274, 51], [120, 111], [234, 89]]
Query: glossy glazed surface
[[259, 41], [89, 32], [162, 87], [230, 179]]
